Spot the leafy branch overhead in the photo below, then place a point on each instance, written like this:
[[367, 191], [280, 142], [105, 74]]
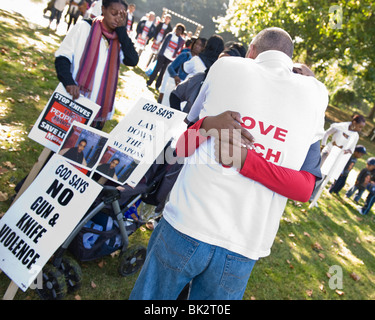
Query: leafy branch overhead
[[335, 39]]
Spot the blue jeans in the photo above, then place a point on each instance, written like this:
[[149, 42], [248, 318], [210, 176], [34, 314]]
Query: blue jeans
[[174, 259], [353, 189]]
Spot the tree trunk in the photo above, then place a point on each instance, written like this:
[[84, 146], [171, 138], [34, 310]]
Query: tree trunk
[[372, 113]]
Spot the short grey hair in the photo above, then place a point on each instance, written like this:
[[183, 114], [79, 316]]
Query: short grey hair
[[273, 39]]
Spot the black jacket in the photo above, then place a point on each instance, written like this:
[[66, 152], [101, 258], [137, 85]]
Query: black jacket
[[63, 64], [151, 32]]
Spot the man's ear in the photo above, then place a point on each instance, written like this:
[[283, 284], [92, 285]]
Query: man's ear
[[251, 53]]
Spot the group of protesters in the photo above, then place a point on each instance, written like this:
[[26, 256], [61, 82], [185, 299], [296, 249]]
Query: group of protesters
[[221, 216]]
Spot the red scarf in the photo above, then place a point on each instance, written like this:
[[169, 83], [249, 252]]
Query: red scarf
[[87, 67]]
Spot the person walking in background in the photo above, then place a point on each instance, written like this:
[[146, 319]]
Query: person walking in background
[[73, 12], [145, 31], [370, 199], [88, 60], [56, 12], [345, 137], [163, 28], [171, 47], [130, 18], [363, 180], [214, 47], [95, 9], [358, 153], [175, 71]]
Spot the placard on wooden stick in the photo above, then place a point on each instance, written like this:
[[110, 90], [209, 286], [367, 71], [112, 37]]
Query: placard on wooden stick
[[42, 218], [49, 130]]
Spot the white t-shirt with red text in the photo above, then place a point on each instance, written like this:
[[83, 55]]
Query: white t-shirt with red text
[[285, 114], [171, 47]]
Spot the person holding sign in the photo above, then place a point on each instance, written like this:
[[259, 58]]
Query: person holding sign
[[88, 60], [224, 210], [162, 29], [145, 31], [171, 47]]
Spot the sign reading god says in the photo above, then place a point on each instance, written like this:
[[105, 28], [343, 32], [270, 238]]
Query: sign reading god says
[[143, 133], [42, 218]]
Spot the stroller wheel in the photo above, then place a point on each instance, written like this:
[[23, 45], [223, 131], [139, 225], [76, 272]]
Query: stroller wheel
[[54, 285], [72, 273], [132, 260]]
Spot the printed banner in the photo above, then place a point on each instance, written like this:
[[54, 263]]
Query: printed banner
[[141, 136], [83, 146], [58, 115], [42, 218]]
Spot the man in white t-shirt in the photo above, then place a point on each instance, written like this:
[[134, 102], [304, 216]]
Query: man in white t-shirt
[[221, 219]]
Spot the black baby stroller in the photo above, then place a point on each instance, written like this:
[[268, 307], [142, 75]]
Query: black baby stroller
[[63, 274]]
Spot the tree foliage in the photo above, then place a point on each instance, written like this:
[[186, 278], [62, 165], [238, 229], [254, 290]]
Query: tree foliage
[[335, 38]]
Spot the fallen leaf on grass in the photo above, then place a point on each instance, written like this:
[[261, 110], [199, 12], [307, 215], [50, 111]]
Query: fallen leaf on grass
[[101, 264], [9, 164], [93, 285], [309, 292], [290, 265], [306, 234], [77, 297], [316, 246], [115, 253], [339, 292], [3, 196], [3, 170], [355, 276]]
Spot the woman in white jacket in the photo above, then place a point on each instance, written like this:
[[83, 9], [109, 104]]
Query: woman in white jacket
[[344, 135]]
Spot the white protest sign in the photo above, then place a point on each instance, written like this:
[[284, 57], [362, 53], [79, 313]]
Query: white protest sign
[[140, 137], [58, 115], [42, 218]]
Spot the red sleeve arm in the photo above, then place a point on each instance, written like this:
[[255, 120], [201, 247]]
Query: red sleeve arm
[[295, 185], [190, 140]]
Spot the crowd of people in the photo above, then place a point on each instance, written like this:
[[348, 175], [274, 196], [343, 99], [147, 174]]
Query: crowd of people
[[222, 215]]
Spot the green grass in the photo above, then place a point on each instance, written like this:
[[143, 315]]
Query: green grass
[[309, 241]]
